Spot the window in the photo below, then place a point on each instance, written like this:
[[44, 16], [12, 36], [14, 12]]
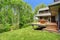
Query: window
[[41, 12]]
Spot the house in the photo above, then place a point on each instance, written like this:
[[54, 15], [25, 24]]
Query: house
[[55, 12], [44, 13], [44, 16], [48, 21], [52, 14]]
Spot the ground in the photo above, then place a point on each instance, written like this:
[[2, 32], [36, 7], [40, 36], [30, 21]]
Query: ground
[[29, 34]]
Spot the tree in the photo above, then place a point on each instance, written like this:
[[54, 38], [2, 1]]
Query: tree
[[16, 13], [25, 15]]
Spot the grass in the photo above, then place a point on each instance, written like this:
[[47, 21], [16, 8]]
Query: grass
[[29, 34]]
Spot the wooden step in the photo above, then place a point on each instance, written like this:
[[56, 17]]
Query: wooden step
[[52, 27]]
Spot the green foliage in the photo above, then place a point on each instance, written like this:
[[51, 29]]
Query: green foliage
[[26, 15], [16, 13], [1, 28], [14, 27], [29, 34], [4, 28]]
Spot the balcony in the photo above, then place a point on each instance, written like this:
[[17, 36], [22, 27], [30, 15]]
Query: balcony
[[43, 14]]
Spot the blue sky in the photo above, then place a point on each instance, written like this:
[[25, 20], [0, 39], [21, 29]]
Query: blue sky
[[34, 3]]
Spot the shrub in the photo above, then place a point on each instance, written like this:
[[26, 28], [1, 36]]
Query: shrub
[[1, 28], [14, 27], [7, 27], [4, 27]]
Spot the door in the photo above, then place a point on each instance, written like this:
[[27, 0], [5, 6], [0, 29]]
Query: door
[[53, 19]]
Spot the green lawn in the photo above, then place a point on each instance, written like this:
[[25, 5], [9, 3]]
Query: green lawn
[[29, 34]]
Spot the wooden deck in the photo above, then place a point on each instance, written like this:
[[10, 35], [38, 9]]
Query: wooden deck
[[52, 27], [49, 26]]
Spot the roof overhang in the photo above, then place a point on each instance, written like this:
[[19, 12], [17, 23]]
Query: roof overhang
[[54, 7], [43, 9], [55, 3]]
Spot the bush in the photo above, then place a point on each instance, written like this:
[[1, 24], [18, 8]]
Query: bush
[[26, 25], [1, 28], [4, 27], [7, 27], [14, 27]]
